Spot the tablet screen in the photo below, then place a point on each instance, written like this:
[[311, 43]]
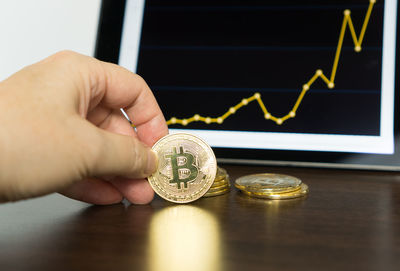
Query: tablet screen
[[261, 77]]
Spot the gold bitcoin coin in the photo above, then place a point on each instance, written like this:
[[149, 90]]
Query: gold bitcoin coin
[[299, 193], [268, 183], [186, 168]]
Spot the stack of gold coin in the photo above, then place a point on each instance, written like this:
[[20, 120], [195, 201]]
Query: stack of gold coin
[[221, 184], [271, 186]]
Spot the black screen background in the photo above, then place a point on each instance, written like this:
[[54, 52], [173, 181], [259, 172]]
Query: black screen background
[[205, 56]]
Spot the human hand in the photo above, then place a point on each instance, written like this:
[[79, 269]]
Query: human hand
[[61, 130]]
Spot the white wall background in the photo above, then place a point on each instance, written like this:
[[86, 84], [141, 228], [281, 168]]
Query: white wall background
[[30, 30]]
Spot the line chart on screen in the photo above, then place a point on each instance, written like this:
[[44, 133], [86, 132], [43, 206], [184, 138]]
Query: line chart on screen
[[347, 26], [284, 75]]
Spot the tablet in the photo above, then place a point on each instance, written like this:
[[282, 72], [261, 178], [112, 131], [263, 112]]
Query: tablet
[[310, 83]]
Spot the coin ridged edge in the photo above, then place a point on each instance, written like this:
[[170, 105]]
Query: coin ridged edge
[[271, 189], [267, 191], [222, 192], [300, 193]]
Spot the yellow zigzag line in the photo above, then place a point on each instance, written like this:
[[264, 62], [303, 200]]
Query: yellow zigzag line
[[318, 74]]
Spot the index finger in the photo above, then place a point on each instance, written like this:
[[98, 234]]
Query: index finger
[[124, 89]]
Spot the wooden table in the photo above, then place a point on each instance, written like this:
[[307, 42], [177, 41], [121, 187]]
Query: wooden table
[[349, 221]]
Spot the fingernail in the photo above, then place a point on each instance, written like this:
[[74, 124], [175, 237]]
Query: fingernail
[[152, 162]]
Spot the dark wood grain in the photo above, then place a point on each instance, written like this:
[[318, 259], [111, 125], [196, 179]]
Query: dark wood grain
[[349, 221]]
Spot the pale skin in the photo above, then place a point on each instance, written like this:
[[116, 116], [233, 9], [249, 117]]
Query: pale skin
[[61, 130]]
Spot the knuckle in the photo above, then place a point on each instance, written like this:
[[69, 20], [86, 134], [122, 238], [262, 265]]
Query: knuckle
[[138, 77], [65, 58], [64, 54], [139, 80]]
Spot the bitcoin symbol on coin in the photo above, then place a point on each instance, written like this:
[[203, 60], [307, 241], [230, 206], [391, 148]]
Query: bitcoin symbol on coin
[[186, 168], [183, 169]]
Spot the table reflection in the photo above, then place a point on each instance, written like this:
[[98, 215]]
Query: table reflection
[[184, 237]]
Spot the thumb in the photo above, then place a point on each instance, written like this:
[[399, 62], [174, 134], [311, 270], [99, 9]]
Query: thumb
[[122, 155]]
